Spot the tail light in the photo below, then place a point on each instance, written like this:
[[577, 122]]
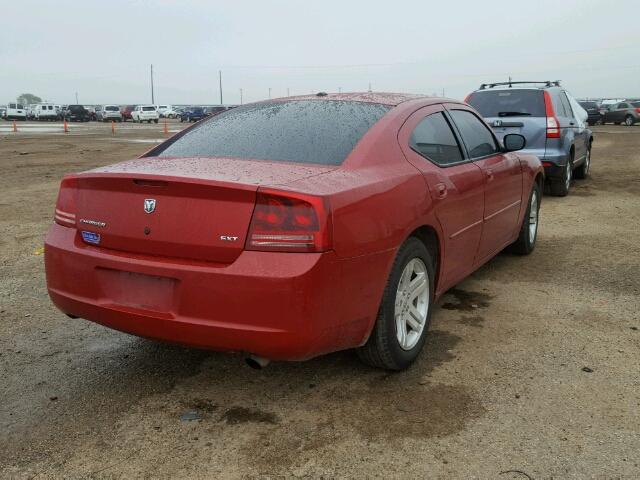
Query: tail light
[[65, 214], [466, 99], [553, 126], [637, 110], [288, 222]]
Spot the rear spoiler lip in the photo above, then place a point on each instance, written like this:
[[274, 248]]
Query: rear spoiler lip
[[166, 178]]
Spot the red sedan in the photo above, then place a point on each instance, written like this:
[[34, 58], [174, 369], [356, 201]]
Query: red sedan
[[291, 228]]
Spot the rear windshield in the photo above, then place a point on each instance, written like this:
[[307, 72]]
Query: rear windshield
[[112, 108], [305, 131], [508, 103], [588, 104], [148, 109]]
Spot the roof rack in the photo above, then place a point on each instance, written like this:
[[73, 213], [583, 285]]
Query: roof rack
[[546, 83]]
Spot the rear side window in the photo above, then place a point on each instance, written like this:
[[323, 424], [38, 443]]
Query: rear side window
[[508, 103], [476, 136], [566, 105], [311, 131], [433, 139]]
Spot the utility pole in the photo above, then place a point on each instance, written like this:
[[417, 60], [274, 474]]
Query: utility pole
[[220, 79], [369, 87], [240, 96], [288, 91], [339, 89], [153, 100], [76, 98], [443, 91], [269, 92]]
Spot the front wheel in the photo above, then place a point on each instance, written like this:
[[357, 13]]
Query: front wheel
[[629, 120], [526, 241], [403, 319]]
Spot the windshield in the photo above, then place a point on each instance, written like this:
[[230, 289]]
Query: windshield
[[505, 103], [310, 131]]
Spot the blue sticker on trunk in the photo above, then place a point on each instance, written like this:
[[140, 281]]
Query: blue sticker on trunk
[[91, 237]]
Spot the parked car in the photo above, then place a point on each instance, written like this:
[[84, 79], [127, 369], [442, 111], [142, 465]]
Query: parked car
[[126, 110], [192, 114], [542, 112], [3, 111], [108, 113], [45, 111], [257, 232], [623, 112], [162, 109], [171, 112], [92, 111], [15, 111], [208, 111], [593, 111], [77, 113], [145, 113]]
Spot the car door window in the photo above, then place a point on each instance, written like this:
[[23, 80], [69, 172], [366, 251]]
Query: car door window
[[477, 137], [566, 105], [433, 139]]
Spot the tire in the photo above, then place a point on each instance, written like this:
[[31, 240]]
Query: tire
[[384, 348], [582, 171], [526, 241], [560, 187], [616, 123], [629, 120], [181, 119], [155, 120]]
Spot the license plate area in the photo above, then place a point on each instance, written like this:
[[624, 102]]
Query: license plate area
[[135, 290]]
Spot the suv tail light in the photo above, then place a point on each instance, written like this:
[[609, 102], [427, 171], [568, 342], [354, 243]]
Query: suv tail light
[[637, 110], [289, 222], [553, 126], [65, 213]]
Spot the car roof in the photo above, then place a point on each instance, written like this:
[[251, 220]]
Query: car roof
[[383, 98]]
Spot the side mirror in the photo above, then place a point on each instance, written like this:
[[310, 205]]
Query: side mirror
[[514, 142]]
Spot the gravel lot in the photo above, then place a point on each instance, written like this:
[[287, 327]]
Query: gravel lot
[[531, 368]]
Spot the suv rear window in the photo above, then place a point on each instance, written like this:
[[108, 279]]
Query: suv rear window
[[112, 108], [303, 131], [148, 109], [588, 104], [508, 103]]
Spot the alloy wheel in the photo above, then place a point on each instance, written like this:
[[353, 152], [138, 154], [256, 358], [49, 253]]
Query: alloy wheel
[[412, 303]]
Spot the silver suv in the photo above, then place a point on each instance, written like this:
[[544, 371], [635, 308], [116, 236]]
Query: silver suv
[[551, 120]]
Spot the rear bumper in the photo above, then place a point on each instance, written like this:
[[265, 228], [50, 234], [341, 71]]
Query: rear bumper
[[286, 306]]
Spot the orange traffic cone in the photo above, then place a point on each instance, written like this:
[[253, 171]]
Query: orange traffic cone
[[166, 128], [15, 127], [66, 126], [113, 127]]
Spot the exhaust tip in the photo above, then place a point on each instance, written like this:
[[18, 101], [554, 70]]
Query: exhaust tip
[[256, 362]]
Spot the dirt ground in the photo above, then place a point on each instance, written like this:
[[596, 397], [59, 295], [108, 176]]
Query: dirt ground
[[531, 369]]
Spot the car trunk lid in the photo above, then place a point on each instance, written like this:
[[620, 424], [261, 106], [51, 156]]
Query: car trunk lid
[[197, 208]]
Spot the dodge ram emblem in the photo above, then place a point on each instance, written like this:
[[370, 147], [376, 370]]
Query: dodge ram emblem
[[149, 205]]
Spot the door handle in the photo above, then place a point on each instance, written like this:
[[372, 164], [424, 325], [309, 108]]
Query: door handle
[[441, 190]]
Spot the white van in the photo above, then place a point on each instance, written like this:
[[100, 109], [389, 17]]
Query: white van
[[46, 111], [15, 111]]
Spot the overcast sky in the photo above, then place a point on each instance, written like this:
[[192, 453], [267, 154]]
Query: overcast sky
[[102, 49]]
